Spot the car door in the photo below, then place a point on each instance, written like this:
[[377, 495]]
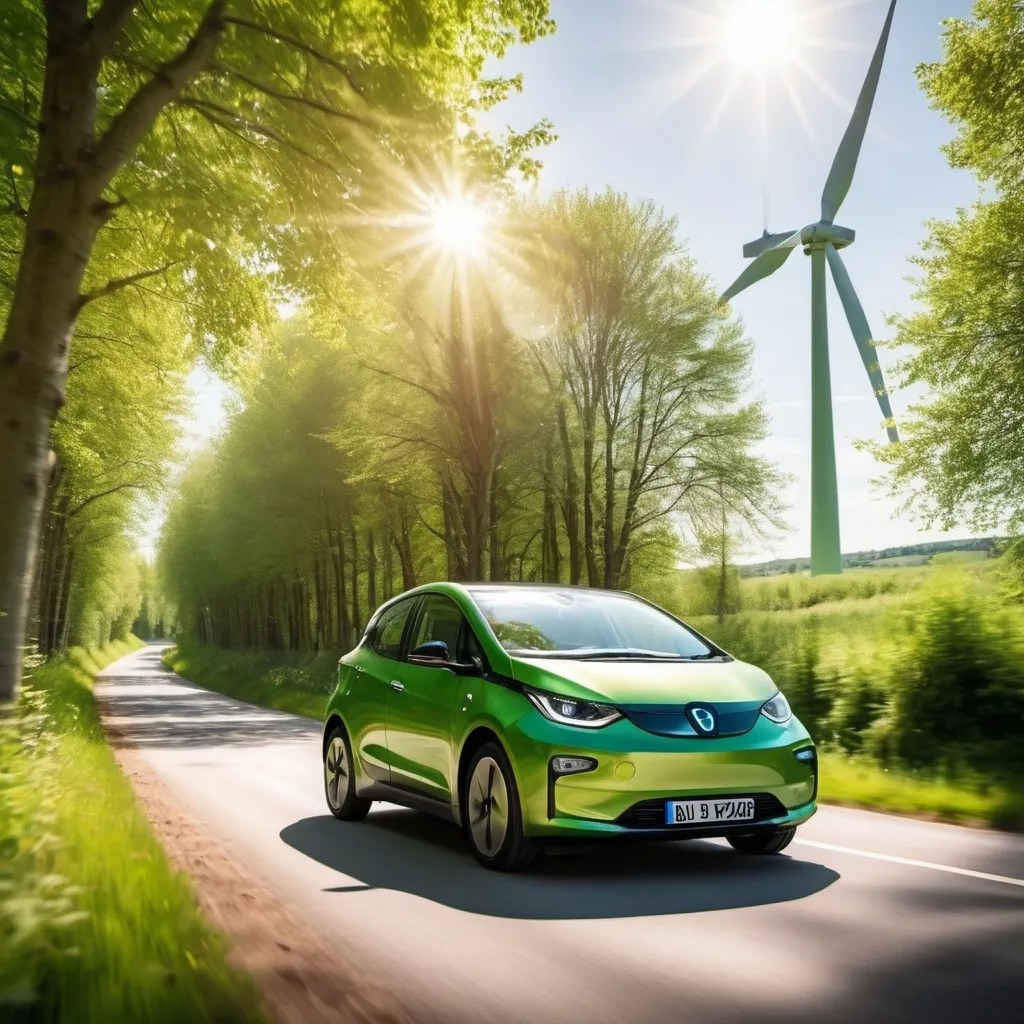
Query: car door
[[375, 668], [421, 704]]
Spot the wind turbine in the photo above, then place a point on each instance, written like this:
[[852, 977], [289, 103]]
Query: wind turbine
[[822, 242]]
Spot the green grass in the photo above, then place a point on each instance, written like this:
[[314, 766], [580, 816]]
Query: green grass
[[95, 925], [863, 783], [297, 684]]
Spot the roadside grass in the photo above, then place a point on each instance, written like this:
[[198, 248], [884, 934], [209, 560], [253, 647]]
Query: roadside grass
[[863, 783], [300, 685], [95, 925]]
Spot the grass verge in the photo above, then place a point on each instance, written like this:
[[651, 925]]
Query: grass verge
[[863, 783], [302, 687], [297, 684], [95, 926]]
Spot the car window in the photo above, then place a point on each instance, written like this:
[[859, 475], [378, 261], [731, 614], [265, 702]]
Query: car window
[[439, 619], [553, 622], [386, 638]]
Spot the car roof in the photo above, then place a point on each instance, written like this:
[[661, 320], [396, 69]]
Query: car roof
[[516, 585]]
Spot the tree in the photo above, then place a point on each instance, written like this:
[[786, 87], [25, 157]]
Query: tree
[[211, 124], [428, 427], [962, 454], [653, 372]]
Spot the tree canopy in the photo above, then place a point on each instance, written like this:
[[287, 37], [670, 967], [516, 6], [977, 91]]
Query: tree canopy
[[962, 454], [219, 155], [573, 426]]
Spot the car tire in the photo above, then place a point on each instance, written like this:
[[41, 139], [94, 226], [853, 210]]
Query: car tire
[[340, 779], [763, 842], [492, 813]]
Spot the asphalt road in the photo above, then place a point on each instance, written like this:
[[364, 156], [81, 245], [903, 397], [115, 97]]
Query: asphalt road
[[869, 918]]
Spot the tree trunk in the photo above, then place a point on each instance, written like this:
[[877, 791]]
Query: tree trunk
[[60, 228], [497, 560], [571, 503], [371, 573], [64, 215], [550, 558], [357, 624], [593, 577], [723, 554], [608, 534], [403, 544]]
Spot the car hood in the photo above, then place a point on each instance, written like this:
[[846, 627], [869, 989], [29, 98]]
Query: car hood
[[647, 682]]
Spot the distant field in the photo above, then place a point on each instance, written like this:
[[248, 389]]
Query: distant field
[[902, 560]]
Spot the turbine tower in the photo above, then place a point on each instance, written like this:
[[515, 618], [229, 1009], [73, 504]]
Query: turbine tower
[[822, 242]]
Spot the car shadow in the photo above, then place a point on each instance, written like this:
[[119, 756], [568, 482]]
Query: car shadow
[[424, 856]]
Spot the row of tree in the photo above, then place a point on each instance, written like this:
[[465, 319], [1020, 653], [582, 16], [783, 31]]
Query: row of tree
[[573, 422], [204, 157]]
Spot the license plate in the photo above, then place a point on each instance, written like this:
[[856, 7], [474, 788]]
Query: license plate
[[708, 812]]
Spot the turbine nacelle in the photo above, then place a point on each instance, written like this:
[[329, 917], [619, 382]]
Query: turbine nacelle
[[814, 235]]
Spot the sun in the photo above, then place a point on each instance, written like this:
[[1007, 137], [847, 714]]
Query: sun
[[458, 225], [758, 35]]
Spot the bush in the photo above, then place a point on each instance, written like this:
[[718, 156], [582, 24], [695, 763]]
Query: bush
[[958, 685]]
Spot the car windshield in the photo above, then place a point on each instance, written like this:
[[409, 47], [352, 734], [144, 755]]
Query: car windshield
[[556, 623]]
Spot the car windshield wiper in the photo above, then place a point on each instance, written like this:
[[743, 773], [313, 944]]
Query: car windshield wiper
[[613, 654], [596, 654]]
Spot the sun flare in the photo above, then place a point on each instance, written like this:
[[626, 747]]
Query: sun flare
[[762, 34], [458, 225]]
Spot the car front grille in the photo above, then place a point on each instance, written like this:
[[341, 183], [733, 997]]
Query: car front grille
[[651, 813]]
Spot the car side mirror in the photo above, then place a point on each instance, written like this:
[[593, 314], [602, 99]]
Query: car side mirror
[[433, 652]]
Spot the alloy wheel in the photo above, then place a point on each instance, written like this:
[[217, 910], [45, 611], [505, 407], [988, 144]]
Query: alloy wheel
[[336, 772], [488, 807]]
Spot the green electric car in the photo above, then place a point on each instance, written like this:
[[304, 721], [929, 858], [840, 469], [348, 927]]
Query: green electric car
[[532, 715]]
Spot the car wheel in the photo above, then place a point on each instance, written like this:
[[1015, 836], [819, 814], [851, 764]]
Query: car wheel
[[493, 814], [340, 780], [763, 842]]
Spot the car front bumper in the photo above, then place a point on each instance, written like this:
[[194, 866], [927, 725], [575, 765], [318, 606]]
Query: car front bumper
[[637, 771]]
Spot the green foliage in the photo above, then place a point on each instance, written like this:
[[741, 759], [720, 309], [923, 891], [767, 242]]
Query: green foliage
[[94, 924], [924, 670], [957, 689], [299, 684], [962, 454], [406, 436], [864, 783], [212, 160]]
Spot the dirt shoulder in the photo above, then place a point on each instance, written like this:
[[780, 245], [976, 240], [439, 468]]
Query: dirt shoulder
[[304, 980]]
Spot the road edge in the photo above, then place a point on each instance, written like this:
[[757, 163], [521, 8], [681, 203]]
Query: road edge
[[302, 977]]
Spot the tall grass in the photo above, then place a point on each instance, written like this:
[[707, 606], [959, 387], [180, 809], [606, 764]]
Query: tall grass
[[95, 926], [300, 684], [920, 674]]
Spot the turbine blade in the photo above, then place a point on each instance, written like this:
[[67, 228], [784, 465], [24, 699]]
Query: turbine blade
[[841, 176], [862, 335], [766, 241], [764, 266]]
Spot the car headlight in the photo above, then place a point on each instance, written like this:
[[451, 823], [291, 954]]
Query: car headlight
[[586, 714], [777, 709]]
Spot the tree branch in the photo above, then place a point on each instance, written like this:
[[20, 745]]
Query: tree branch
[[123, 282], [289, 97], [86, 502], [299, 45], [211, 111], [139, 113]]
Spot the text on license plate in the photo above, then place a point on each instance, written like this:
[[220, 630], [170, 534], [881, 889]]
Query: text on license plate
[[700, 812]]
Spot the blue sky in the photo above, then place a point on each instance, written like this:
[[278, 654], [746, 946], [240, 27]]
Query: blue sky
[[605, 78]]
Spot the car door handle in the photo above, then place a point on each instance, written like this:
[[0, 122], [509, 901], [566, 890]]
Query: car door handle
[[397, 686]]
